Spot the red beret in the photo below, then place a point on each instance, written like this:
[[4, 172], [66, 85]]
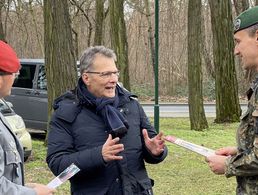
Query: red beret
[[8, 59]]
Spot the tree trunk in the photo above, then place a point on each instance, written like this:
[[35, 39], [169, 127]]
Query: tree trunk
[[119, 39], [2, 34], [256, 3], [205, 52], [241, 5], [196, 109], [99, 22], [60, 61], [227, 102]]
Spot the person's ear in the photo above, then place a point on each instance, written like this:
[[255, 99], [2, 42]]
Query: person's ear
[[85, 78]]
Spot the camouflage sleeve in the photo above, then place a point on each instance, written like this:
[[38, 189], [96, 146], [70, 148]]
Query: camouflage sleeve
[[244, 163]]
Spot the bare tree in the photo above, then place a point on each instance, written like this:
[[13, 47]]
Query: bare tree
[[146, 11], [119, 39], [150, 33], [196, 109], [23, 25], [59, 52], [80, 8], [227, 102], [38, 33]]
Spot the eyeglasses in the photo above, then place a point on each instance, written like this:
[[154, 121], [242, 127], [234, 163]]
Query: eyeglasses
[[8, 73], [107, 74]]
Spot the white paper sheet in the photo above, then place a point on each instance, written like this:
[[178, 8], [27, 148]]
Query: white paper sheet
[[191, 146], [64, 176]]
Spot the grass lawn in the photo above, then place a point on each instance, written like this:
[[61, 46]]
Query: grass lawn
[[182, 172]]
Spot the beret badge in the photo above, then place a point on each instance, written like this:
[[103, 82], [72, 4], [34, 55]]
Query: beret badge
[[237, 24]]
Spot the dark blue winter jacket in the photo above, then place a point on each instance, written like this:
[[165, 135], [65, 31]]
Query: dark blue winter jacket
[[77, 135]]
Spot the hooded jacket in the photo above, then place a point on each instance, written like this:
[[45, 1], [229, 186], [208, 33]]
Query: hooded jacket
[[77, 134]]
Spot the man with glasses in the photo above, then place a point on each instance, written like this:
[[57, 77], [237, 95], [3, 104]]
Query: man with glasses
[[11, 152], [103, 129]]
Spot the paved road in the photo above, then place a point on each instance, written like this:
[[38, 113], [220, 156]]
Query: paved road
[[167, 110], [180, 110]]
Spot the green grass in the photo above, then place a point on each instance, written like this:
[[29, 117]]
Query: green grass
[[182, 172]]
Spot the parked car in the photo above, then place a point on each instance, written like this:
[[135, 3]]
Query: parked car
[[29, 94], [18, 127]]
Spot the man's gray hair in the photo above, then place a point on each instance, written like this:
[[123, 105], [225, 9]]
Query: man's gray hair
[[252, 30], [89, 55]]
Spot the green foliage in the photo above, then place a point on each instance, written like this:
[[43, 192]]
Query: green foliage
[[143, 90], [209, 89], [182, 172], [181, 91], [146, 91]]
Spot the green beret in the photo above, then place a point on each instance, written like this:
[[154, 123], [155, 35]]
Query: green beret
[[246, 19]]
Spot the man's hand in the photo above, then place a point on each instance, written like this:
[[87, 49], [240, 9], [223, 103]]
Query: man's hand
[[41, 189], [111, 148], [155, 145], [227, 151], [217, 163]]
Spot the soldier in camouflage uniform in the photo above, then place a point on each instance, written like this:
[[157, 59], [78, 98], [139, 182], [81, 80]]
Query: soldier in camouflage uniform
[[242, 161]]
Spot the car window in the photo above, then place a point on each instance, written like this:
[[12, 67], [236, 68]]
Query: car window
[[42, 80], [26, 76], [4, 108]]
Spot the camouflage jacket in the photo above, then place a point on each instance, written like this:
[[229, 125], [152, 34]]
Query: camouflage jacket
[[244, 165]]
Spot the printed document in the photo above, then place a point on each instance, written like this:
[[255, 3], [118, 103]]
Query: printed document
[[191, 146], [64, 176]]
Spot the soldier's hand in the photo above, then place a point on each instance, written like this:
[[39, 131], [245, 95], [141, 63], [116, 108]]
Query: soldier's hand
[[227, 151], [111, 148], [217, 163]]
